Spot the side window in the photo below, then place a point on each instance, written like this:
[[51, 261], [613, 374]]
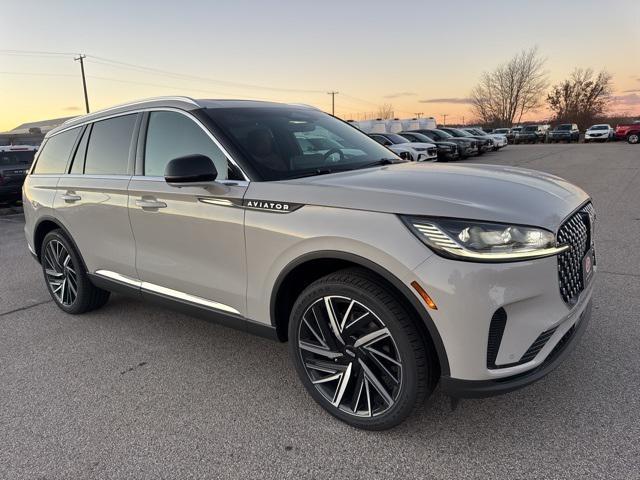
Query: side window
[[171, 135], [77, 166], [109, 144], [56, 151]]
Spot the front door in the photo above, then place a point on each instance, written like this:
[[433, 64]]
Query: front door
[[189, 240]]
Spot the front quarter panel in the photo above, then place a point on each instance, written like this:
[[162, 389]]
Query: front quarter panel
[[275, 240]]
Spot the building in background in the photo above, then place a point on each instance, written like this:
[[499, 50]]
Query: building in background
[[31, 133]]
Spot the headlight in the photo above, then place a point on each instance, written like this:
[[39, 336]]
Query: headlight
[[445, 148], [483, 241]]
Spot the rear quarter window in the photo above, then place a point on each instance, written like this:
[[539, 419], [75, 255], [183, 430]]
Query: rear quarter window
[[109, 146], [55, 153]]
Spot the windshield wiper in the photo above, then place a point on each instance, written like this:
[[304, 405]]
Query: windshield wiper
[[313, 173], [382, 161]]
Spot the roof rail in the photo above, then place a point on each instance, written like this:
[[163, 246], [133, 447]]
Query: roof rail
[[128, 104]]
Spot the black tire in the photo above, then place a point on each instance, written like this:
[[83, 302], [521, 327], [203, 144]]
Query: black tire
[[87, 297], [418, 371]]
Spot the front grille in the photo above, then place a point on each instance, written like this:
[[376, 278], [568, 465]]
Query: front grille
[[575, 232], [432, 151]]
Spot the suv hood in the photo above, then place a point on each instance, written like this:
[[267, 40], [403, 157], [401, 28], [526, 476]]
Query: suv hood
[[479, 192]]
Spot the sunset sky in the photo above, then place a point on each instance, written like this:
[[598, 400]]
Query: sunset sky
[[418, 56]]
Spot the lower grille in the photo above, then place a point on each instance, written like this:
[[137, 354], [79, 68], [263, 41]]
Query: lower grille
[[575, 232], [496, 331], [536, 346]]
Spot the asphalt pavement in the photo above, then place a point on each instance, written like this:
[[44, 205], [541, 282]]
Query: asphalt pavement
[[135, 391]]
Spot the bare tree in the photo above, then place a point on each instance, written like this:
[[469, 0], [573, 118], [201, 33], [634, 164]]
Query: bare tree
[[512, 90], [581, 98], [385, 111]]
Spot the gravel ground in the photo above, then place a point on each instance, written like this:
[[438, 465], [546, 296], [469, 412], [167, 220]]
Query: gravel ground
[[136, 391]]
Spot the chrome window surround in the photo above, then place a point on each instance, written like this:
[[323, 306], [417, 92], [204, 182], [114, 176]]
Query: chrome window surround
[[159, 109], [168, 292]]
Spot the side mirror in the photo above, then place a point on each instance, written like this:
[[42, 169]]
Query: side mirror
[[190, 171]]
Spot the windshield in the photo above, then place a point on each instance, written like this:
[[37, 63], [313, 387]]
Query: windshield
[[288, 142], [418, 137], [530, 128], [395, 138], [599, 127], [16, 158], [441, 134], [501, 130], [477, 131], [564, 127], [458, 133]]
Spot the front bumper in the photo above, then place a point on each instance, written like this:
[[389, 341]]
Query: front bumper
[[469, 295], [487, 388], [596, 136]]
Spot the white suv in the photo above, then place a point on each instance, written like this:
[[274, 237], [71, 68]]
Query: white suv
[[385, 276]]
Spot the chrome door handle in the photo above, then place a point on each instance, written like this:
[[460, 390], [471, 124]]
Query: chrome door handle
[[70, 197], [142, 203]]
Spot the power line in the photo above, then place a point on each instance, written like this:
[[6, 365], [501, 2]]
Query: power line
[[126, 65]]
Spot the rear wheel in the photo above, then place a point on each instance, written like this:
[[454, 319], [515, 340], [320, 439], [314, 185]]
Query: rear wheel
[[65, 277], [358, 352], [633, 138]]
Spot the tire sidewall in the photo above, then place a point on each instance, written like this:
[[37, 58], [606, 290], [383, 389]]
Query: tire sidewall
[[77, 264], [409, 384]]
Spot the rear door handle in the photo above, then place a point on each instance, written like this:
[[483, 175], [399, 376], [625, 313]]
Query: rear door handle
[[70, 197], [145, 203]]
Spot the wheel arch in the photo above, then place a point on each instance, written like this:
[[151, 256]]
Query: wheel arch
[[304, 270], [45, 225]]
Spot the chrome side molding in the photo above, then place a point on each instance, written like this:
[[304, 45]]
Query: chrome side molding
[[167, 292]]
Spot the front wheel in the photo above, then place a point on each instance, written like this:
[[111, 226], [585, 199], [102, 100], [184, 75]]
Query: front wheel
[[65, 277], [633, 138], [358, 352]]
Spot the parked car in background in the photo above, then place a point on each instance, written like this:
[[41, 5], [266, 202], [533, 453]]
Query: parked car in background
[[602, 132], [499, 140], [566, 132], [507, 132], [467, 146], [418, 152], [629, 132], [15, 161], [485, 144], [447, 151], [532, 134]]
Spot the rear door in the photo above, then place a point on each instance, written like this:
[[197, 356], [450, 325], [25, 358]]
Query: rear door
[[189, 240], [91, 199]]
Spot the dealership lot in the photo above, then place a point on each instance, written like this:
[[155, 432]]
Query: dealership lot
[[135, 391]]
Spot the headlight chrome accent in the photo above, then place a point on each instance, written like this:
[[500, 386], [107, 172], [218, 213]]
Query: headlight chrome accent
[[483, 241]]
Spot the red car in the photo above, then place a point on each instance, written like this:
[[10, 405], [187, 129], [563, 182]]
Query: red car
[[629, 132]]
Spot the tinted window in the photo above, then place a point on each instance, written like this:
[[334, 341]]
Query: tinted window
[[276, 141], [109, 143], [16, 157], [56, 152], [78, 159], [171, 135]]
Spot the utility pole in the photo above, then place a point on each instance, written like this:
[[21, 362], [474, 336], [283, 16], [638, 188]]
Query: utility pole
[[444, 121], [418, 114], [333, 102], [81, 57]]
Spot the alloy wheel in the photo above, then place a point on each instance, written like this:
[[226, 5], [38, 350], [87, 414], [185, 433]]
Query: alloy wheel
[[350, 356], [60, 273]]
